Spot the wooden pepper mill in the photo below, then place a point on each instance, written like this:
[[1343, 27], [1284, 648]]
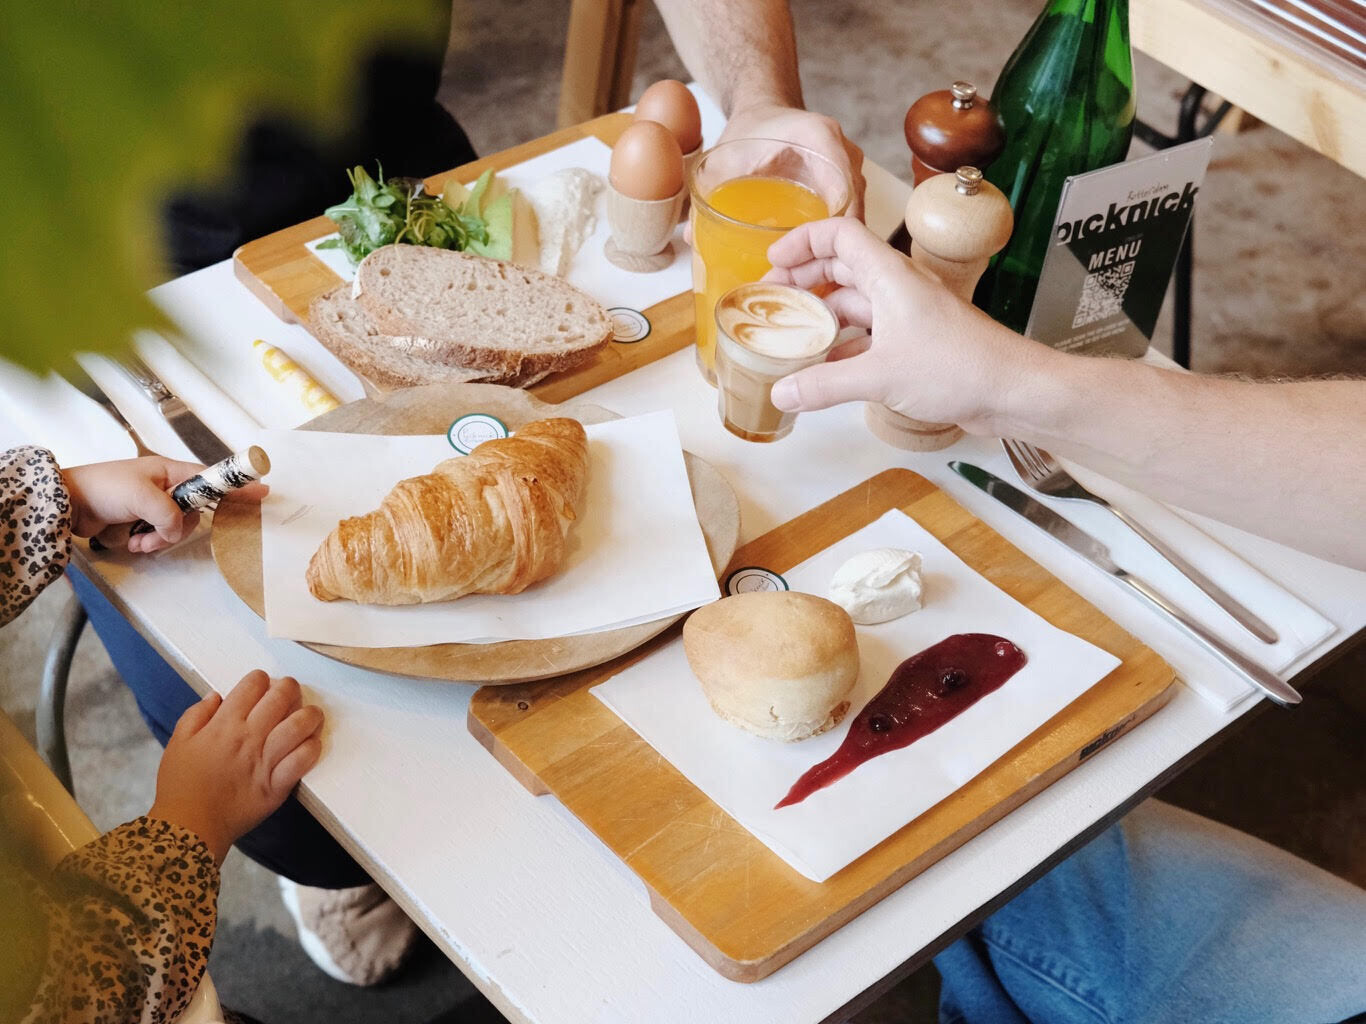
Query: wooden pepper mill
[[952, 128], [958, 222], [948, 129]]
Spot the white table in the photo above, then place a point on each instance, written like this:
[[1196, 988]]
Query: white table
[[540, 916]]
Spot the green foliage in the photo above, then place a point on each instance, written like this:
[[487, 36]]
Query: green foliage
[[105, 105]]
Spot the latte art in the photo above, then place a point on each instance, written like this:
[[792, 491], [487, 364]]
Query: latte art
[[764, 332], [776, 321]]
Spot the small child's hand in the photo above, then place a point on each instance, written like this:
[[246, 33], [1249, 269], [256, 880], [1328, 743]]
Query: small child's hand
[[105, 494], [233, 760]]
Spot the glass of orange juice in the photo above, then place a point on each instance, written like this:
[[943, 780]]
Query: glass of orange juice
[[746, 194]]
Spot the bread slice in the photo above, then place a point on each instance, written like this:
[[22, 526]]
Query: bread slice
[[470, 311], [338, 321]]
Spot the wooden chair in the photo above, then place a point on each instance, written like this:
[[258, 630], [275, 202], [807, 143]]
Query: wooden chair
[[599, 58]]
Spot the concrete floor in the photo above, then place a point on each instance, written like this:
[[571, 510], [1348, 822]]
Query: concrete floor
[[1282, 240]]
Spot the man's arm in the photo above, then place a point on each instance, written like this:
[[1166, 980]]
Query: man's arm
[[744, 52], [1284, 460]]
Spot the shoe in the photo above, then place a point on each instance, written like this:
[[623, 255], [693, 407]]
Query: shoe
[[359, 936]]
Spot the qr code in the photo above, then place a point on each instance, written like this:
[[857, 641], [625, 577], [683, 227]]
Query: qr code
[[1102, 294]]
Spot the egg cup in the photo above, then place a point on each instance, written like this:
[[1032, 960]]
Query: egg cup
[[642, 230]]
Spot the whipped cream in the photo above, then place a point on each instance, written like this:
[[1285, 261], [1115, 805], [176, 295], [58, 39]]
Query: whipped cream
[[878, 585]]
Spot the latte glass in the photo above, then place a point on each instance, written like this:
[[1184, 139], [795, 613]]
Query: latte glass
[[747, 194], [763, 333]]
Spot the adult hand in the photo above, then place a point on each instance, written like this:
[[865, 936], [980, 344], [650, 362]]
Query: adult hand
[[766, 120], [231, 761], [110, 494], [928, 355]]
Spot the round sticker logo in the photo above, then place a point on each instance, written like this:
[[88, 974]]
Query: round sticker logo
[[628, 325], [751, 579], [469, 432]]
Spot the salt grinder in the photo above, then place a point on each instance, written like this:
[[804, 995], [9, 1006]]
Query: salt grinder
[[958, 222]]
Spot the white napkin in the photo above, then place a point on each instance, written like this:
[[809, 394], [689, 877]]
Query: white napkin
[[1298, 625], [49, 412], [232, 425], [590, 269], [747, 775], [637, 552]]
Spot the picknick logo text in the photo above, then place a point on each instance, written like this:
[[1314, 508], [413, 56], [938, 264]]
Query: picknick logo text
[[1117, 217]]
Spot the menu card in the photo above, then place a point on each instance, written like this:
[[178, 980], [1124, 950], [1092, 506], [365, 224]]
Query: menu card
[[637, 553], [747, 775], [1115, 241]]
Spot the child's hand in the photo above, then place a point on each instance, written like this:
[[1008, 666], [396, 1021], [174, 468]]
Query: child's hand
[[233, 760], [105, 494], [929, 355]]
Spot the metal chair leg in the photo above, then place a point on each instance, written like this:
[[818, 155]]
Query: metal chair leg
[[51, 711]]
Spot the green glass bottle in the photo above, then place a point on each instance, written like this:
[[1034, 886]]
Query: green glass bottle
[[1066, 96]]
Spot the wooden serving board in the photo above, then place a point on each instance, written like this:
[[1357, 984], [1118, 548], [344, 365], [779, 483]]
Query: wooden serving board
[[744, 910], [236, 540], [286, 276]]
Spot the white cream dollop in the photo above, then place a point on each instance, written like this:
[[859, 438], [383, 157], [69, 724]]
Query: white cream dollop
[[878, 585]]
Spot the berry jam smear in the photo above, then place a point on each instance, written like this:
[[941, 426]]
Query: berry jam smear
[[925, 691]]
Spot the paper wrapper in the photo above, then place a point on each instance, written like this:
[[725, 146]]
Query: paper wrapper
[[636, 553], [746, 775]]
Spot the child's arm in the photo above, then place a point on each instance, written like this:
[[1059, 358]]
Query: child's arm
[[35, 527], [130, 923], [131, 916]]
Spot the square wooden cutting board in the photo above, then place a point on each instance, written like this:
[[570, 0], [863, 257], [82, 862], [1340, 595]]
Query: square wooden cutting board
[[734, 901], [284, 274]]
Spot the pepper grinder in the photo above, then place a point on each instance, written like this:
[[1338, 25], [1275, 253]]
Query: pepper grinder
[[952, 128], [958, 222], [948, 129]]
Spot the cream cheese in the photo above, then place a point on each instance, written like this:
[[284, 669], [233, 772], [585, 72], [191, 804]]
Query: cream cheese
[[878, 585]]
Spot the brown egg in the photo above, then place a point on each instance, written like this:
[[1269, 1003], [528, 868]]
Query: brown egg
[[646, 162], [671, 104]]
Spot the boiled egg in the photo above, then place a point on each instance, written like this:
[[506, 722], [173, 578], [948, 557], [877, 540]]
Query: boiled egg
[[671, 104], [647, 162]]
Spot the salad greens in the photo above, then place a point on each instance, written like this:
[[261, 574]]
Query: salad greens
[[399, 210]]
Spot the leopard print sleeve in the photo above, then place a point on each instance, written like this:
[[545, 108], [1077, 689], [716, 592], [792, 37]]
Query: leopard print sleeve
[[130, 927], [35, 526]]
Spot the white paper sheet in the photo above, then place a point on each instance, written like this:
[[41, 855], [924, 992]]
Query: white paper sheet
[[590, 269], [637, 552], [746, 775]]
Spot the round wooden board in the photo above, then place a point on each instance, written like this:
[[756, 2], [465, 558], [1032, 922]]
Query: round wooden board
[[236, 540]]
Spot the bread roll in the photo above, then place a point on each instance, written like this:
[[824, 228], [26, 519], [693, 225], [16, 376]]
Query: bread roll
[[777, 664]]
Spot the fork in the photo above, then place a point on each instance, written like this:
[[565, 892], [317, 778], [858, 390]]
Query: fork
[[1043, 473]]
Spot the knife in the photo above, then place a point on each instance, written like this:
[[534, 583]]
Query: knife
[[1099, 555], [202, 441]]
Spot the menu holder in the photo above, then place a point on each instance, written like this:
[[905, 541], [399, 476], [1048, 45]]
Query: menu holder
[[735, 902]]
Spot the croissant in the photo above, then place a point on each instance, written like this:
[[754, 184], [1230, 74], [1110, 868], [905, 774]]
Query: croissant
[[491, 522]]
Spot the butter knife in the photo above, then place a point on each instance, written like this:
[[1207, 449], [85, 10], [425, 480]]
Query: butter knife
[[1099, 555], [202, 441]]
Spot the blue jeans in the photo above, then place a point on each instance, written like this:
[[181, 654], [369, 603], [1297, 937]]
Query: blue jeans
[[290, 842], [1167, 917]]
